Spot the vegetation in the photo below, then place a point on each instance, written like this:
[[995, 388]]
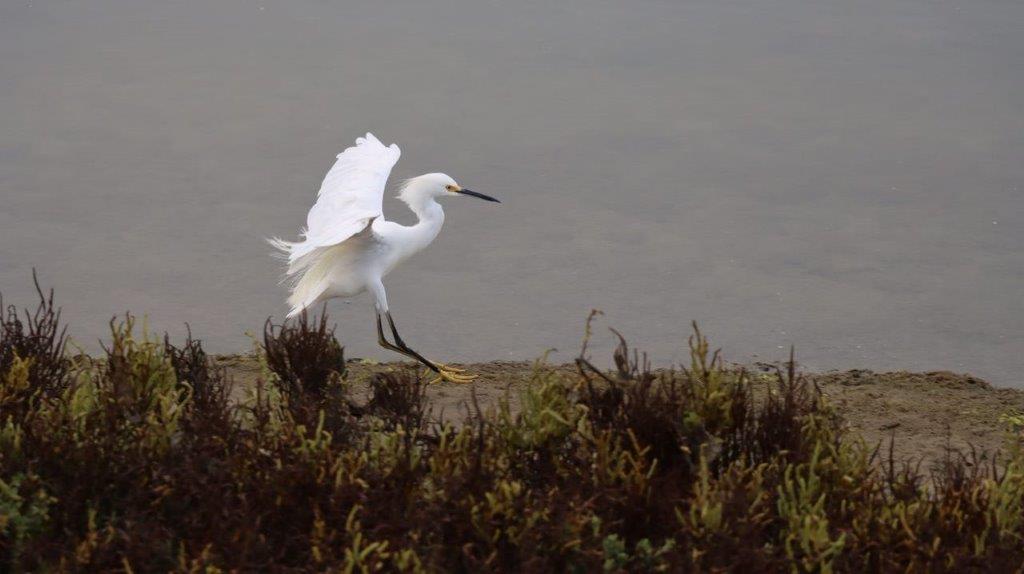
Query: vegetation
[[147, 460]]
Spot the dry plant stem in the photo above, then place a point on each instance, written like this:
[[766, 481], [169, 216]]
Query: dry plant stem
[[621, 469]]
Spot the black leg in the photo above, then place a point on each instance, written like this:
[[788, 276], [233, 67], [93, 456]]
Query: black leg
[[394, 331], [399, 342], [400, 346]]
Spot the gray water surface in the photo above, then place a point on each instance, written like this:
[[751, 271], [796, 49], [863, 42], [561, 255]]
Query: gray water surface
[[841, 175]]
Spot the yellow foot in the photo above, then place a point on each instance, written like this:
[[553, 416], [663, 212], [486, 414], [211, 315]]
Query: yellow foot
[[452, 375]]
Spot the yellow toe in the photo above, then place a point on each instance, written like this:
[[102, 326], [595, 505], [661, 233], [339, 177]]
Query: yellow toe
[[453, 375], [450, 368]]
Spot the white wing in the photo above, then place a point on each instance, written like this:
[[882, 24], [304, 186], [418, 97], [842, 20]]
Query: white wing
[[351, 196]]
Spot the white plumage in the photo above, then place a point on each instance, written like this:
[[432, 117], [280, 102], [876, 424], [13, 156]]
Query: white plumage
[[348, 247], [350, 198]]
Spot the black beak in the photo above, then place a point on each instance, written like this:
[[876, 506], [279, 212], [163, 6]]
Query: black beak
[[465, 191]]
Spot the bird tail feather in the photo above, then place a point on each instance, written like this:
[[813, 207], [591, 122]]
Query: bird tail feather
[[298, 255], [305, 293], [307, 275], [282, 248]]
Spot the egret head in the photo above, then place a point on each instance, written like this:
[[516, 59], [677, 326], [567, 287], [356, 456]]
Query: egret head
[[436, 185]]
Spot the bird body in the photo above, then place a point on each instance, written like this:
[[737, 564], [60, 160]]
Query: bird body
[[348, 247], [361, 260]]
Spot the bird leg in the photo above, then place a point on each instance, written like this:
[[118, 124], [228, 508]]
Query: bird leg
[[444, 372], [447, 372], [402, 349]]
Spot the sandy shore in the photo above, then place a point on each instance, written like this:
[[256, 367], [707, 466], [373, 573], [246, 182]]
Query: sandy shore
[[923, 411]]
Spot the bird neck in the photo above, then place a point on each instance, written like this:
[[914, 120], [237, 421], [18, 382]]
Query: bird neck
[[426, 209], [431, 218]]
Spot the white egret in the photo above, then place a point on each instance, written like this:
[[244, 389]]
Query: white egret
[[348, 247]]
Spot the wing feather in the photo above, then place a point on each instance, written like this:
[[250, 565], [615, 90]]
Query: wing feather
[[350, 197]]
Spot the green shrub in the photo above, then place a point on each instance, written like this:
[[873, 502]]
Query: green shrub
[[142, 461]]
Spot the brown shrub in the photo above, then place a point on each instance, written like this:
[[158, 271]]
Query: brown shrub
[[144, 464]]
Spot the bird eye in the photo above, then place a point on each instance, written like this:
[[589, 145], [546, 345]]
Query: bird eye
[[449, 188]]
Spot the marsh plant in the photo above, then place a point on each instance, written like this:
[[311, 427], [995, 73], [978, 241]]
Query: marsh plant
[[146, 460]]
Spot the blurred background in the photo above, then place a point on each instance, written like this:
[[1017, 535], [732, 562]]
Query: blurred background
[[843, 176]]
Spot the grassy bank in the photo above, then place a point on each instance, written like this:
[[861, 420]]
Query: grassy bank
[[148, 460]]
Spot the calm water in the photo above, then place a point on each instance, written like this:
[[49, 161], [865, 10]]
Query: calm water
[[842, 175]]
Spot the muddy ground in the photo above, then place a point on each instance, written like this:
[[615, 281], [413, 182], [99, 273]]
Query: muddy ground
[[924, 412]]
